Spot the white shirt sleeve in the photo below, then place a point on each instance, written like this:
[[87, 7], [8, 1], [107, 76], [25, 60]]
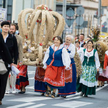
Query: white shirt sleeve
[[97, 62], [46, 57], [72, 53], [82, 57], [66, 58]]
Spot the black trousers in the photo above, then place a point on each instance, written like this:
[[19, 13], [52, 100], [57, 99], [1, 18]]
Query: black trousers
[[3, 82]]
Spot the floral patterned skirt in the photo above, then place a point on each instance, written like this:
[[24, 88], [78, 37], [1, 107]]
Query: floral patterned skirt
[[88, 76], [84, 89]]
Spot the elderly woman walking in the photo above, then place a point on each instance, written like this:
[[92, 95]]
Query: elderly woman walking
[[70, 75], [56, 60], [90, 66]]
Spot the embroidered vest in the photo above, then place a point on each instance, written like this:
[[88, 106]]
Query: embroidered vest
[[57, 57], [91, 61]]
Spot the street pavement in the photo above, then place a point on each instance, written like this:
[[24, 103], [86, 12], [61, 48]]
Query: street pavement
[[32, 99]]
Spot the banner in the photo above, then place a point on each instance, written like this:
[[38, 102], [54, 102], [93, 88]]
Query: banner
[[3, 14], [104, 2], [103, 34]]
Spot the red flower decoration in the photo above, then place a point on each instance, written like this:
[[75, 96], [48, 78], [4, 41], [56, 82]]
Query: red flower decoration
[[26, 36], [50, 9], [46, 8], [53, 38], [38, 21], [40, 44]]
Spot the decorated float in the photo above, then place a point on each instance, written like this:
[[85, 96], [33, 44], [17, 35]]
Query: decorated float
[[38, 27]]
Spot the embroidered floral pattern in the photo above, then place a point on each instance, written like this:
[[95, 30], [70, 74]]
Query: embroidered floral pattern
[[39, 77], [56, 83], [89, 73]]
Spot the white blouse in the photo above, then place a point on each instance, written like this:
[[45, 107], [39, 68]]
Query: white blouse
[[80, 51], [106, 53], [89, 54], [71, 48], [65, 57], [6, 38]]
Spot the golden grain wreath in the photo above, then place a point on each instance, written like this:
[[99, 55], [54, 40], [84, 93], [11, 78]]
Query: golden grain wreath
[[38, 27]]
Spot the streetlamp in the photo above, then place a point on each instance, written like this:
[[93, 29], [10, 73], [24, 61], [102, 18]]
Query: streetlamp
[[99, 13], [64, 14], [32, 4]]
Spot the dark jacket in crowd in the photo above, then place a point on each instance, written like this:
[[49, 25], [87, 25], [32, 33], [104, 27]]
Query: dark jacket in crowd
[[11, 43], [6, 57], [4, 52]]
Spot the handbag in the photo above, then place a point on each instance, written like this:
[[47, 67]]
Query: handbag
[[3, 69]]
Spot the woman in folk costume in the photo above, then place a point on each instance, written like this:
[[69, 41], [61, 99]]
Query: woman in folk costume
[[80, 49], [70, 75], [22, 77], [57, 60], [104, 75], [90, 66], [40, 85], [77, 44]]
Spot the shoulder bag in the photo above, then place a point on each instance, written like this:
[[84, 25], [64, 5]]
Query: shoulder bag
[[3, 69]]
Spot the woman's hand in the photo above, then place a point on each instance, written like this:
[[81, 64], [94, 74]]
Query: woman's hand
[[97, 70], [20, 63], [12, 64], [104, 69], [45, 66], [67, 68]]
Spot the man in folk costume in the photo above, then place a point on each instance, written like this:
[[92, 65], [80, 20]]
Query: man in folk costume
[[70, 75], [56, 60], [22, 77]]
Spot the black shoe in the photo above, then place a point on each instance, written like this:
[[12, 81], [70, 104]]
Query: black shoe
[[48, 92], [63, 96], [42, 94], [98, 86], [0, 102], [58, 95], [102, 85], [53, 95], [82, 94], [21, 92], [85, 95]]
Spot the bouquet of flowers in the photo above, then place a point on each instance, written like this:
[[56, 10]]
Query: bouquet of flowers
[[95, 33]]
